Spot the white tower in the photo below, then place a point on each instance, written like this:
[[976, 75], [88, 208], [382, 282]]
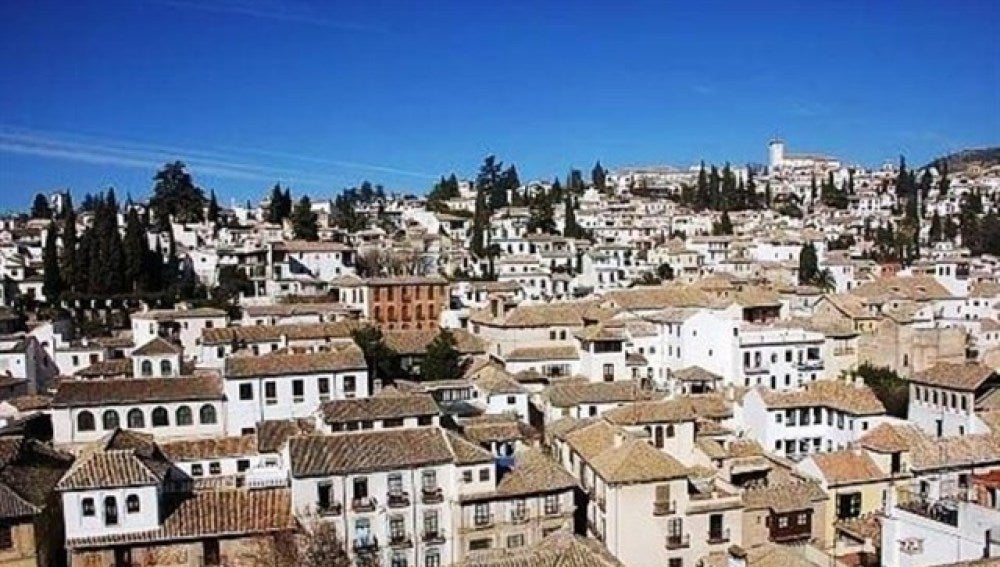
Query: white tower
[[776, 153]]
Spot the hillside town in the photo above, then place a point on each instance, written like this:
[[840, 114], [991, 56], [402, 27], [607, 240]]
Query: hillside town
[[791, 363]]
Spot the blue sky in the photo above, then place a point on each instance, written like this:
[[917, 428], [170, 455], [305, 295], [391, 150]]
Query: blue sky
[[320, 95]]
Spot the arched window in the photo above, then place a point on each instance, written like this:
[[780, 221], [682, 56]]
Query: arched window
[[184, 416], [160, 418], [110, 511], [207, 414], [165, 368], [147, 368], [135, 419], [132, 504], [85, 421], [109, 420]]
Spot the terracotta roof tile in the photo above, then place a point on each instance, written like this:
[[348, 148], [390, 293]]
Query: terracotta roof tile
[[836, 394], [966, 376], [847, 466], [85, 393], [157, 347], [347, 358], [378, 407]]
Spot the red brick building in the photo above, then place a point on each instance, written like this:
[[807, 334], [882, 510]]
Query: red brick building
[[407, 302]]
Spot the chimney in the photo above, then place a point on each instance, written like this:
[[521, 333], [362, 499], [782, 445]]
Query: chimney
[[736, 557]]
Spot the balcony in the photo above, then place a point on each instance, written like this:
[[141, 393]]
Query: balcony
[[432, 495], [400, 541], [329, 509], [398, 499], [664, 508], [363, 504], [482, 522], [810, 365], [943, 511], [518, 516], [751, 370], [678, 541], [365, 545], [435, 537], [718, 536]]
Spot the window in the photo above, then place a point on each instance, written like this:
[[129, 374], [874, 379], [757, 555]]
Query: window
[[207, 414], [323, 386], [478, 544], [466, 476], [146, 368], [360, 488], [270, 393], [298, 391], [85, 421], [110, 511], [214, 468], [481, 514], [135, 419], [160, 417], [132, 504], [397, 528], [484, 475], [242, 465], [87, 507], [675, 562], [849, 505], [184, 416], [670, 431], [246, 391], [391, 423], [166, 368], [551, 504], [425, 420], [109, 420], [803, 518], [395, 482], [783, 522], [6, 539], [515, 541], [197, 469], [609, 372], [211, 552], [350, 384], [432, 559]]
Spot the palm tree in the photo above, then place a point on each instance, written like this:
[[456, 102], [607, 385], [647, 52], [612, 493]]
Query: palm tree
[[824, 281]]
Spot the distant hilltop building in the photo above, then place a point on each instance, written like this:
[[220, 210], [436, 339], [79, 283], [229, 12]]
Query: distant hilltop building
[[779, 159]]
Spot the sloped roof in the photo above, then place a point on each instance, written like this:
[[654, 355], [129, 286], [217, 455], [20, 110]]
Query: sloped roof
[[86, 393], [157, 347], [384, 405], [966, 376], [349, 357]]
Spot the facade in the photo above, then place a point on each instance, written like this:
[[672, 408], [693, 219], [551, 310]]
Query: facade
[[407, 302]]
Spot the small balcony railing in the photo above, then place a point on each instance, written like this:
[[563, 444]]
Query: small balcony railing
[[400, 540], [678, 541], [482, 521], [398, 499], [664, 508], [432, 495], [750, 370], [718, 536], [436, 536], [365, 545], [811, 365], [330, 509], [363, 504]]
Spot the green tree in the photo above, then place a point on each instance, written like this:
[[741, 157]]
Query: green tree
[[488, 181], [542, 217], [382, 361], [40, 208], [665, 272], [480, 224], [443, 361], [303, 219], [136, 249], [990, 238], [213, 208], [232, 283], [808, 264], [175, 195], [724, 226], [936, 231], [767, 194], [571, 229], [52, 280], [599, 177], [887, 386], [68, 265], [949, 228]]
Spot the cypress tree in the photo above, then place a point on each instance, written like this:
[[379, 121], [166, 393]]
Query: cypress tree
[[935, 233], [136, 250], [40, 208], [304, 220], [443, 360], [52, 280], [213, 208], [808, 264], [570, 229], [599, 177], [68, 267]]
